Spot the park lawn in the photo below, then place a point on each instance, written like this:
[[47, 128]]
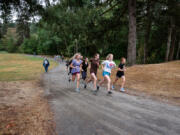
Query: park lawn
[[23, 109], [15, 67], [160, 81]]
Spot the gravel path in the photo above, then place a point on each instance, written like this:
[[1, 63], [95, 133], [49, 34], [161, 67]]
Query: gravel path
[[121, 114]]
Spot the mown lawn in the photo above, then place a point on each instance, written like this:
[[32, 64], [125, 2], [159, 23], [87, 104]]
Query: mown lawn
[[14, 67]]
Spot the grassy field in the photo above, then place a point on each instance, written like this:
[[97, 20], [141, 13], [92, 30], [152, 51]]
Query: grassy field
[[157, 80], [14, 67], [23, 109]]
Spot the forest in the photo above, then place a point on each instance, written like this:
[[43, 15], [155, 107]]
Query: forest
[[143, 31]]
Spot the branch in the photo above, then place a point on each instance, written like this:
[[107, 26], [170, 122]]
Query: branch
[[110, 8]]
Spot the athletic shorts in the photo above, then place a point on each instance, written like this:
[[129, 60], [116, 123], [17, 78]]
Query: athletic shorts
[[75, 73], [119, 74], [106, 73], [93, 72]]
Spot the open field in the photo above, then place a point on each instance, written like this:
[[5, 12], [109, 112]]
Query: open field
[[161, 81], [14, 67], [23, 109]]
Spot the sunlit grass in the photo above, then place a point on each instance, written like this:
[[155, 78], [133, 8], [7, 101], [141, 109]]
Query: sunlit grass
[[15, 67]]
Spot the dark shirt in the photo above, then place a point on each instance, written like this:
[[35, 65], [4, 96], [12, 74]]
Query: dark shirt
[[85, 66], [121, 66], [94, 65]]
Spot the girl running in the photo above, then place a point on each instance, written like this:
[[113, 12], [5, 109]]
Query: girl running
[[76, 69], [120, 74], [85, 65], [93, 71], [107, 66]]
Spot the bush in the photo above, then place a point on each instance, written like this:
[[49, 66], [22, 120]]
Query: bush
[[9, 44], [29, 45]]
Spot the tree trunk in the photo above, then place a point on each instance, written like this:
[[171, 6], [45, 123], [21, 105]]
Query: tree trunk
[[169, 40], [173, 43], [131, 57], [178, 51], [147, 30], [168, 44]]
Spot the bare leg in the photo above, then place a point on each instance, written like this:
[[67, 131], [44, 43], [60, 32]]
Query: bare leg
[[78, 80], [89, 80], [94, 80], [123, 81], [108, 82], [73, 77], [115, 80], [102, 81]]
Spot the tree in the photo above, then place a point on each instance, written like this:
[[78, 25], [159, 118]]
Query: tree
[[178, 51], [173, 43], [169, 39], [148, 24], [131, 54]]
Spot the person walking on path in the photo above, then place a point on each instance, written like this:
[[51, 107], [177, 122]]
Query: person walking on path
[[120, 74], [46, 64], [76, 66], [93, 71], [107, 66]]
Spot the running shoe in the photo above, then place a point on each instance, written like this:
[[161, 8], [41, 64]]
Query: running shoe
[[97, 88], [113, 87], [109, 92], [85, 86], [95, 92], [122, 90], [78, 90], [69, 80]]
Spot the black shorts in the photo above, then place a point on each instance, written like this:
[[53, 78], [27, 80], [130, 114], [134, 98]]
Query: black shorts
[[119, 74]]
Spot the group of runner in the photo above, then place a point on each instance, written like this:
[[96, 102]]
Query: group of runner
[[78, 66]]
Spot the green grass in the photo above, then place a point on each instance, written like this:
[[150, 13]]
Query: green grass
[[2, 52], [117, 62], [15, 67]]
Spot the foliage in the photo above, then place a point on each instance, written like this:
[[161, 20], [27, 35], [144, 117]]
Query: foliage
[[8, 42], [90, 26]]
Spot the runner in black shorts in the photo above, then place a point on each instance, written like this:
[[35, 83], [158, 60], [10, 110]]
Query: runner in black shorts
[[85, 65], [120, 74]]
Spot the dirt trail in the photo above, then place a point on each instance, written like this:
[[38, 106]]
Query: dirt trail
[[85, 114]]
